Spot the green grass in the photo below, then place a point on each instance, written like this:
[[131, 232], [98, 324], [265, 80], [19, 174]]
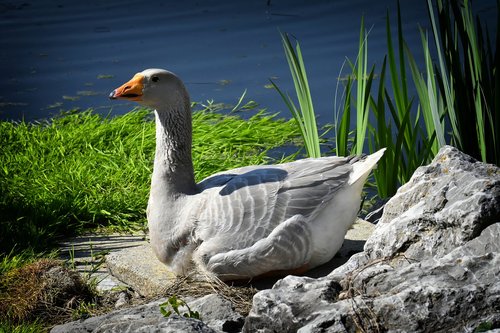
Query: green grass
[[33, 327], [356, 101], [18, 258], [83, 171]]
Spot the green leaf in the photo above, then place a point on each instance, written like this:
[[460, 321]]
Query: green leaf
[[304, 116]]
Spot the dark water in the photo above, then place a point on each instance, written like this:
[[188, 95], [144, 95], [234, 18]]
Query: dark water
[[65, 54]]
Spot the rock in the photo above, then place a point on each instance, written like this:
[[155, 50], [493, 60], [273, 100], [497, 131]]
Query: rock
[[443, 206], [123, 299], [431, 296], [431, 265], [217, 315], [136, 320], [139, 268]]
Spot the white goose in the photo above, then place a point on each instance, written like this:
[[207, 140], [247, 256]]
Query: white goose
[[245, 222]]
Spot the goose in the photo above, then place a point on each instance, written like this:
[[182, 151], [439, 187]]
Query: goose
[[247, 222]]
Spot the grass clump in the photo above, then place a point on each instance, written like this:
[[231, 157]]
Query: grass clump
[[77, 171], [82, 170], [16, 259], [33, 327], [43, 290]]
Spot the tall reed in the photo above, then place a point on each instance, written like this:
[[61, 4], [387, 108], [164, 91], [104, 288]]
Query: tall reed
[[460, 93], [363, 88], [467, 78], [304, 115]]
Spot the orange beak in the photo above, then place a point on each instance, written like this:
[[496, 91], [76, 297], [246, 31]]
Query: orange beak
[[132, 90]]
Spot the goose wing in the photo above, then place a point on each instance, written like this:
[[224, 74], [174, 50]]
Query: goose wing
[[242, 206]]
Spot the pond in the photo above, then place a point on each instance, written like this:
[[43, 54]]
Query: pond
[[59, 54]]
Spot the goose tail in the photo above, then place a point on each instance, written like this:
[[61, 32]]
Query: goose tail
[[362, 167]]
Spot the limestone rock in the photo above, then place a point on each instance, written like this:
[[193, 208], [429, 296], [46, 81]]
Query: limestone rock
[[443, 206], [432, 264], [135, 321], [456, 292], [217, 315]]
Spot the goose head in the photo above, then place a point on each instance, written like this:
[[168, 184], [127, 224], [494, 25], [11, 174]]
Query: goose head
[[154, 88]]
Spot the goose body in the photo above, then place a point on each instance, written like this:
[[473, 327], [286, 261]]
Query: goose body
[[244, 222]]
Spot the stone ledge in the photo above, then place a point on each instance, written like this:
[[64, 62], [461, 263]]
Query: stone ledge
[[139, 268]]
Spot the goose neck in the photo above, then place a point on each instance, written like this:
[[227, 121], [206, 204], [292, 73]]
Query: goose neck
[[173, 165]]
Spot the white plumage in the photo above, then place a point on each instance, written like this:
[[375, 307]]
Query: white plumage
[[244, 222]]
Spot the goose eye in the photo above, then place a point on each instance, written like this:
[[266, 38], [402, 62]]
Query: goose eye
[[155, 79]]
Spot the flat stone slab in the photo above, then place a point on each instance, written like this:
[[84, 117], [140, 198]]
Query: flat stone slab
[[86, 254], [139, 268]]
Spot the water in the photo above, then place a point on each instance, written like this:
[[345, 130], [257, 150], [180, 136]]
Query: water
[[59, 54]]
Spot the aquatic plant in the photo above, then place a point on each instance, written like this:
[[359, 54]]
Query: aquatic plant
[[397, 125], [304, 115], [467, 78], [461, 92]]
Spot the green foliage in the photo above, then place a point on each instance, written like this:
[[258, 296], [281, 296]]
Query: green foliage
[[407, 144], [16, 259], [363, 89], [92, 265], [484, 327], [452, 94], [83, 310], [32, 327], [349, 141], [172, 306], [461, 93], [82, 170], [467, 78], [304, 116], [342, 126]]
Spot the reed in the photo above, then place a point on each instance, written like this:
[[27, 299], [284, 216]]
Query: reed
[[457, 102], [397, 126], [304, 114], [363, 88], [467, 78]]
